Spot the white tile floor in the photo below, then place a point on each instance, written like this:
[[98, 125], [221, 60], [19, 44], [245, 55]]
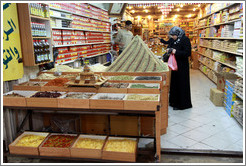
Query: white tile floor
[[203, 127]]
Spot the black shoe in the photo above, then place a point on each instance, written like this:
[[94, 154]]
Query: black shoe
[[175, 108]]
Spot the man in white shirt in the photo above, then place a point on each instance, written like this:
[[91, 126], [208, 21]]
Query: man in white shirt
[[124, 36]]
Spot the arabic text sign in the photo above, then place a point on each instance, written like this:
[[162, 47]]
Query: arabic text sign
[[12, 70]]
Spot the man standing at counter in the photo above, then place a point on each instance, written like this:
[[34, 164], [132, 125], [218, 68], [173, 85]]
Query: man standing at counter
[[124, 36]]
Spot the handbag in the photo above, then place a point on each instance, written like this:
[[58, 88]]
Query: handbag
[[165, 57], [172, 63]]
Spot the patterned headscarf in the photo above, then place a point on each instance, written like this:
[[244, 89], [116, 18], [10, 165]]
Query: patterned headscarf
[[178, 32]]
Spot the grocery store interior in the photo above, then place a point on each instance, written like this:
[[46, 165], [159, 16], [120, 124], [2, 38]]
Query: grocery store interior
[[80, 86]]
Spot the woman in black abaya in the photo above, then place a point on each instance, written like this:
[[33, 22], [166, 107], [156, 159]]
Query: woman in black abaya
[[179, 97]]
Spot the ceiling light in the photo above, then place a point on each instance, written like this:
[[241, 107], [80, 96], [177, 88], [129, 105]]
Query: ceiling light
[[199, 5], [194, 9], [178, 9], [146, 11], [181, 5], [189, 15], [162, 17], [175, 16], [130, 7], [144, 7], [174, 19], [149, 17], [133, 11]]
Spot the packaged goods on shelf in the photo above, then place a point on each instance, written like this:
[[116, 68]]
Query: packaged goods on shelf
[[239, 64], [238, 111], [227, 30], [239, 86]]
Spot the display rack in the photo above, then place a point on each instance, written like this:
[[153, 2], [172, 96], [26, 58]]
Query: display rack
[[230, 52], [25, 19], [229, 22], [208, 77], [157, 110]]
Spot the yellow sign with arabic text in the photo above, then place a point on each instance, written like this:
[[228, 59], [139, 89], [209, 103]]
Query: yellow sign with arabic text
[[12, 64]]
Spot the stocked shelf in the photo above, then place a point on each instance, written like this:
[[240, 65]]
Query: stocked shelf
[[237, 119], [222, 38], [67, 45], [63, 18], [207, 66], [36, 37], [207, 76], [239, 75], [229, 22], [221, 50], [217, 11], [60, 10], [241, 97], [233, 67], [41, 18], [63, 28], [66, 62], [86, 57]]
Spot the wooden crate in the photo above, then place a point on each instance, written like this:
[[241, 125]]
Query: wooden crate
[[55, 151], [87, 153], [42, 102], [124, 125], [120, 156], [72, 103], [96, 103], [94, 124], [144, 90], [22, 86], [16, 101], [22, 150], [141, 105]]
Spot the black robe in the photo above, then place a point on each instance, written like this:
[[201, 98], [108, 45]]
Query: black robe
[[179, 95]]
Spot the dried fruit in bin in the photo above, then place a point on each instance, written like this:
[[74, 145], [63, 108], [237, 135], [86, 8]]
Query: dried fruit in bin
[[47, 94], [59, 141]]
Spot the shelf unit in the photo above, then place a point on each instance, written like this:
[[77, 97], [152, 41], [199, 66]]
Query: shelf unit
[[68, 45], [237, 119], [222, 38], [233, 67], [208, 76], [84, 30], [241, 97], [63, 18], [207, 66], [221, 50], [229, 22], [25, 20], [239, 75], [227, 7]]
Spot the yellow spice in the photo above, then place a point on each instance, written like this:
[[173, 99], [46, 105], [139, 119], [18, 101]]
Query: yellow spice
[[89, 143], [121, 145], [30, 140]]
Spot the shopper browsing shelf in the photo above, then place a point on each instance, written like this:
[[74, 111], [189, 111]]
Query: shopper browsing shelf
[[124, 36], [180, 97]]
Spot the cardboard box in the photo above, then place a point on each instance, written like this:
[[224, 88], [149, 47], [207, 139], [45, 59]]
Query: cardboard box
[[216, 96], [25, 150], [85, 152], [124, 125], [221, 77]]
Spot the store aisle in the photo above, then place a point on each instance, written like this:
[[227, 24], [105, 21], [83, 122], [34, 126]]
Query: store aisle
[[204, 126]]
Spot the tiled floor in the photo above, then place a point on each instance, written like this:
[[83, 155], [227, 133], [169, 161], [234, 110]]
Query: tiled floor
[[203, 127]]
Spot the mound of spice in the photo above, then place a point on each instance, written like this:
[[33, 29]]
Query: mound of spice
[[47, 94], [59, 141], [57, 82], [115, 85], [13, 95], [147, 78], [79, 96]]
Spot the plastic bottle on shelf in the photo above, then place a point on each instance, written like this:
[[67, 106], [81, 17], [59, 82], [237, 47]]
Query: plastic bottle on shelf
[[35, 51], [46, 11], [48, 50]]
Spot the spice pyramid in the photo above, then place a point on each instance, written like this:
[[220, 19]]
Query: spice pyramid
[[137, 57]]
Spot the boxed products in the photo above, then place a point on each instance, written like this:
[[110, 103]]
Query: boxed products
[[216, 96]]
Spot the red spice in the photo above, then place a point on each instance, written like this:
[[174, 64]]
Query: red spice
[[57, 82]]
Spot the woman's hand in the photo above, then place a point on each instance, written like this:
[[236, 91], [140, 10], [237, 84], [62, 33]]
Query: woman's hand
[[174, 51]]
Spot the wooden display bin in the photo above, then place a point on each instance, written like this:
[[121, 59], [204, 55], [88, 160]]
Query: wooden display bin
[[55, 151], [144, 90], [54, 88], [141, 104], [16, 101], [96, 103], [22, 86], [119, 156], [22, 150], [63, 102], [120, 81], [87, 153], [112, 90], [42, 102], [82, 89]]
